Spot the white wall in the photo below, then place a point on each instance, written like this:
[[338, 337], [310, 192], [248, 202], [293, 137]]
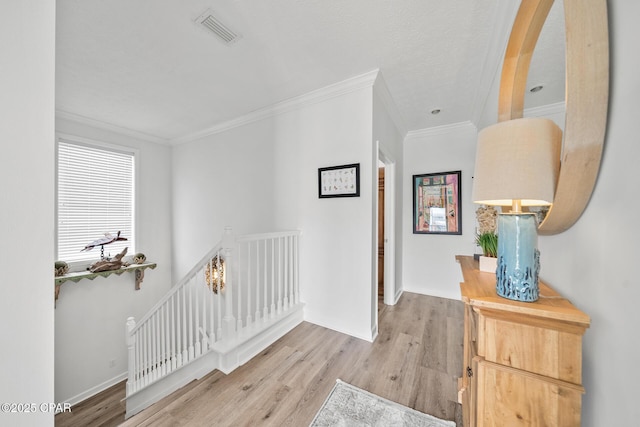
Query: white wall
[[336, 249], [593, 263], [27, 49], [223, 180], [90, 316], [429, 265], [262, 176]]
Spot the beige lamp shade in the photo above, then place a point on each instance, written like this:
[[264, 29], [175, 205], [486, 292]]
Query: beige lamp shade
[[517, 160]]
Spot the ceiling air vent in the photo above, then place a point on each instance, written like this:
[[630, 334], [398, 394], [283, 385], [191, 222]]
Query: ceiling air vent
[[213, 25]]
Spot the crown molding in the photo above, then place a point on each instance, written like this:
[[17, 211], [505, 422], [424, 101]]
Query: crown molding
[[542, 111], [545, 110], [109, 127], [332, 91], [466, 126]]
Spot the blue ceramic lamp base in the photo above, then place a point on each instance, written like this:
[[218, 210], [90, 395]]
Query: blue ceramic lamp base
[[518, 257]]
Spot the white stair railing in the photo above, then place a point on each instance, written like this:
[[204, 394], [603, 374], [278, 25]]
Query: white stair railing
[[239, 287], [268, 282]]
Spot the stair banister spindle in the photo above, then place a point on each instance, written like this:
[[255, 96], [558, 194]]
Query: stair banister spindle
[[131, 323], [140, 368], [248, 284], [287, 273], [178, 331], [158, 359], [257, 313], [297, 264], [294, 261], [152, 349], [264, 282], [148, 368], [184, 346], [172, 345], [229, 320], [154, 346], [166, 327], [148, 351], [149, 339], [163, 335], [279, 283], [273, 278], [238, 292], [190, 319], [196, 320], [144, 355], [138, 363], [205, 300]]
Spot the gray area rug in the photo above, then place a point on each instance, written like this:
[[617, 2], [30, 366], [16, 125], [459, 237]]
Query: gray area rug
[[350, 406]]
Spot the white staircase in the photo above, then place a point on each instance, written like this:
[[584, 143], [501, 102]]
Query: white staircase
[[240, 298]]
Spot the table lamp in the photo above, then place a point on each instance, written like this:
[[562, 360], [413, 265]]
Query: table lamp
[[517, 164]]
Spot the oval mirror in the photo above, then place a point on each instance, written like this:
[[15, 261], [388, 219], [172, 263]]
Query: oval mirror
[[586, 101]]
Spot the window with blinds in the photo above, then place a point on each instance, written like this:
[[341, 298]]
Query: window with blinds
[[95, 196]]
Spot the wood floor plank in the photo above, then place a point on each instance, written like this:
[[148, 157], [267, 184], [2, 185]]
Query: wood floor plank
[[415, 361], [455, 349], [436, 389], [396, 381]]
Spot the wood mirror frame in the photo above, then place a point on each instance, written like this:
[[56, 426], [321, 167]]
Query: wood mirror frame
[[586, 102]]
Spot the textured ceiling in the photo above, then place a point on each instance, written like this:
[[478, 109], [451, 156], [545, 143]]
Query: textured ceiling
[[145, 65]]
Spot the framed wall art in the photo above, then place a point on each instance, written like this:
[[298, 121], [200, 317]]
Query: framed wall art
[[437, 207], [339, 181]]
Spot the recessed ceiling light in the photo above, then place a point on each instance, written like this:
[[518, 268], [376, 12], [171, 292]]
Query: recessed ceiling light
[[435, 111], [536, 89]]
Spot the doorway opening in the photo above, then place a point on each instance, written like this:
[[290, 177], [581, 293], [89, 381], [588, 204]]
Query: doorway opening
[[386, 230]]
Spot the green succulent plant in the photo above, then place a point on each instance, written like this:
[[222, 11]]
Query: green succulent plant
[[489, 243]]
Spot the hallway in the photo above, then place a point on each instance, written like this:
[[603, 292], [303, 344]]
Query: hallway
[[415, 360]]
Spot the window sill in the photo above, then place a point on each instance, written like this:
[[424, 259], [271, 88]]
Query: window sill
[[138, 269]]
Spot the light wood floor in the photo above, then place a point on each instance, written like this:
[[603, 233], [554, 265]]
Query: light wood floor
[[415, 360]]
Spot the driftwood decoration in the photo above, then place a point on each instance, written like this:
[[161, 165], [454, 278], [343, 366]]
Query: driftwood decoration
[[106, 265], [108, 238]]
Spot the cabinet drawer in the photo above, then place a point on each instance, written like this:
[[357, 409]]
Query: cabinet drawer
[[546, 348], [510, 397]]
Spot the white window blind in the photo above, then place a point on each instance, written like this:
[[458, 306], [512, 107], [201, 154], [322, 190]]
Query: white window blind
[[95, 196]]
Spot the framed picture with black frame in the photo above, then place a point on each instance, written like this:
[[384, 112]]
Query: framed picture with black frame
[[437, 206], [339, 181]]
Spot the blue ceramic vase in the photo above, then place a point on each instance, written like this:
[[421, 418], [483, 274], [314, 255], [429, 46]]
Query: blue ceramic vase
[[518, 257]]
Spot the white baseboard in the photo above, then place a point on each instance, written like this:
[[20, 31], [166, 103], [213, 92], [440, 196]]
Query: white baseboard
[[397, 296], [94, 390], [167, 385], [326, 324]]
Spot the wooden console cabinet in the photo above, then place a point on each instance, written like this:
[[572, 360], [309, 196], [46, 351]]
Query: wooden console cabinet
[[522, 361]]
